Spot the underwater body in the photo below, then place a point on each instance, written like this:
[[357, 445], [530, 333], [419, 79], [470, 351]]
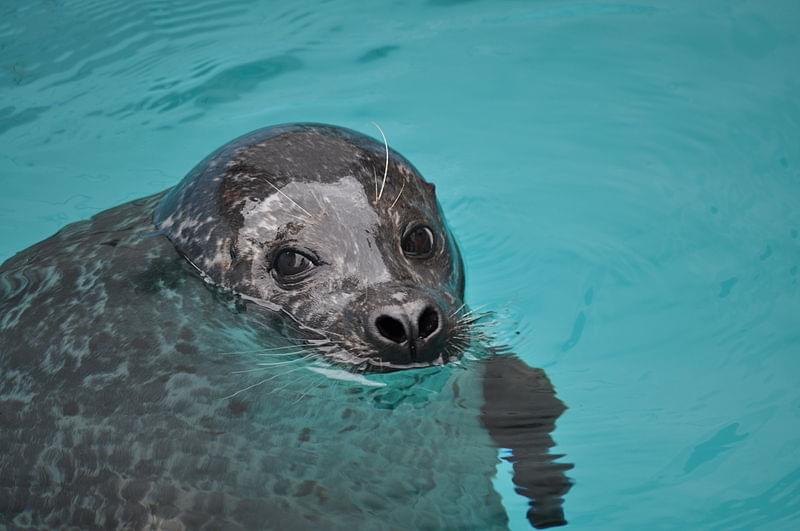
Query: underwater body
[[147, 384]]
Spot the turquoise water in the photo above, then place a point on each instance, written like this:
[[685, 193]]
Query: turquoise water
[[624, 179]]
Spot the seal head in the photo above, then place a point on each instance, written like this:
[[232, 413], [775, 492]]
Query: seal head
[[333, 231]]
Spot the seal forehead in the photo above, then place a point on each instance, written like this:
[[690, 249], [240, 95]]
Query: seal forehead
[[312, 155], [248, 189], [304, 205]]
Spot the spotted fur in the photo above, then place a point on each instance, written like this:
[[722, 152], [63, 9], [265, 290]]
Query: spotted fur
[[150, 377]]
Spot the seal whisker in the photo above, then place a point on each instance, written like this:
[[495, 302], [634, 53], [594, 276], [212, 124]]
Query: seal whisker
[[287, 384], [280, 354], [486, 325], [296, 217], [447, 353], [258, 350], [398, 196], [472, 317], [265, 380], [472, 310], [458, 309], [386, 169], [468, 322], [287, 197], [314, 385], [265, 366], [304, 327], [469, 319], [375, 176], [317, 199], [279, 363]]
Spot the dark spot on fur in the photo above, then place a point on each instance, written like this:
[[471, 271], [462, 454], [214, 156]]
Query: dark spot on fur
[[84, 518], [144, 343], [193, 519], [185, 348], [215, 503], [135, 490], [241, 181], [165, 511], [151, 392], [101, 343], [281, 487], [163, 450], [12, 501], [211, 424], [112, 243], [349, 284], [215, 466], [70, 409], [305, 435], [160, 274], [10, 413], [147, 468], [186, 334], [237, 407], [305, 488], [120, 458]]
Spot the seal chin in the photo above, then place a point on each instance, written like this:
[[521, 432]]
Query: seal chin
[[379, 365]]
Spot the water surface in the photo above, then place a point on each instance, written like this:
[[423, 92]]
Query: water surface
[[623, 177]]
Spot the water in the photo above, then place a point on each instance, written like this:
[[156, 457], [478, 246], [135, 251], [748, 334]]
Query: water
[[623, 178]]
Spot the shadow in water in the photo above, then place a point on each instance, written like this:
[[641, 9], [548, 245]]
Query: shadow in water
[[520, 412]]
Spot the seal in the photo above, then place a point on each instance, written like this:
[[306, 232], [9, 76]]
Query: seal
[[232, 353]]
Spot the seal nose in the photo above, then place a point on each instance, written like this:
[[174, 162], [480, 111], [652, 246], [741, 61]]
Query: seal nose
[[407, 332]]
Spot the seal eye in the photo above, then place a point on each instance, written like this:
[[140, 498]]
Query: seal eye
[[291, 264], [418, 242]]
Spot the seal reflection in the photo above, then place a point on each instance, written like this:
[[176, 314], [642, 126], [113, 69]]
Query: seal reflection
[[520, 411]]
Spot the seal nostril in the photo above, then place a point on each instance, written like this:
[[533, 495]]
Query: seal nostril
[[428, 322], [391, 328]]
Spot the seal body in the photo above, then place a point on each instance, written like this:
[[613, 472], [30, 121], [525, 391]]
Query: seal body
[[196, 358]]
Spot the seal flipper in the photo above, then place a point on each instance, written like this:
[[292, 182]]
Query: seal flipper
[[519, 411]]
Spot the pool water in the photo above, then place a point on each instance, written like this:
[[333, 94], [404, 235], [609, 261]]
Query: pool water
[[624, 180]]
